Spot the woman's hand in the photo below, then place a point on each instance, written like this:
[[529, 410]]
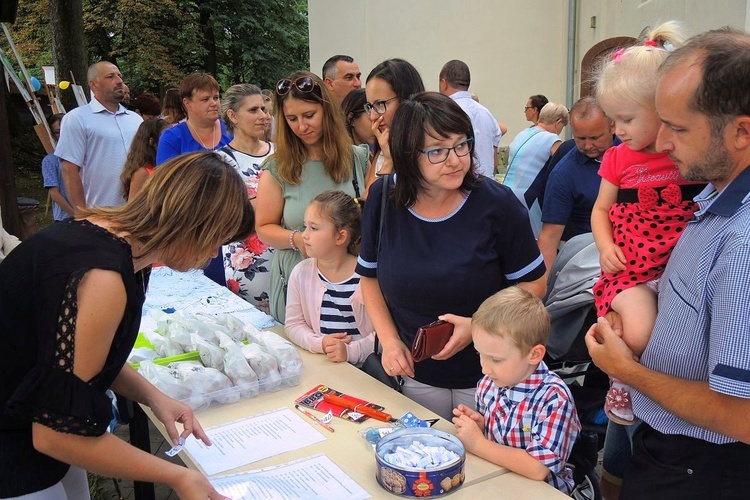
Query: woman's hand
[[382, 136], [299, 242], [169, 411], [461, 336], [334, 345], [612, 259], [194, 485], [397, 359]]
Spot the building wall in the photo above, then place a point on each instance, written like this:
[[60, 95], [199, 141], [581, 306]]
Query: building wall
[[630, 17], [514, 48]]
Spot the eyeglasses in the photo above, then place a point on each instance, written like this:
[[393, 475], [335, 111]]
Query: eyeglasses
[[439, 155], [528, 107], [378, 106], [304, 84]]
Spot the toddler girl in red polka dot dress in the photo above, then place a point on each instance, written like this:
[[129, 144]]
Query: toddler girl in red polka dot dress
[[643, 204]]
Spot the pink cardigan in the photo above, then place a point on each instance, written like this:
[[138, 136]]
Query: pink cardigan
[[303, 303]]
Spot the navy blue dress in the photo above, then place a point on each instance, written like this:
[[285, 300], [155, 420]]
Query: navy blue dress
[[427, 268]]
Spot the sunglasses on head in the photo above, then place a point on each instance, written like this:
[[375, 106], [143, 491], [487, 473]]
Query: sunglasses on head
[[304, 84]]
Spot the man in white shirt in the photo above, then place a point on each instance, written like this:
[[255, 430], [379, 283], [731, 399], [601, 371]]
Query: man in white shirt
[[341, 75], [454, 82], [95, 139]]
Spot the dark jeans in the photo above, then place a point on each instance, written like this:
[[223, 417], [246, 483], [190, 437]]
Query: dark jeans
[[680, 467]]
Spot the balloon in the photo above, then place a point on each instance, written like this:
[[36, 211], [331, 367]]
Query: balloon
[[35, 84], [64, 84]]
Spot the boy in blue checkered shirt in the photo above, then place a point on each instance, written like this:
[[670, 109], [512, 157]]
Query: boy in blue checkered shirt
[[525, 418]]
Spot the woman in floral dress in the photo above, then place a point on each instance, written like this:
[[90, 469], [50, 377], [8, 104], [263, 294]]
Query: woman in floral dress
[[247, 263]]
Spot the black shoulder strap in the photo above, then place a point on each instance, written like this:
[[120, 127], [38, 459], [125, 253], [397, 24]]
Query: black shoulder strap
[[383, 202]]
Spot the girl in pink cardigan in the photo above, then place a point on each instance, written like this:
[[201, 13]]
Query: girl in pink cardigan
[[325, 312]]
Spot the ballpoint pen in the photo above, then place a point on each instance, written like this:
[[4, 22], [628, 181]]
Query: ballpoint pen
[[315, 419], [358, 407]]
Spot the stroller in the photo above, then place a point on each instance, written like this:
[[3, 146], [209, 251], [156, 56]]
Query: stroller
[[570, 304]]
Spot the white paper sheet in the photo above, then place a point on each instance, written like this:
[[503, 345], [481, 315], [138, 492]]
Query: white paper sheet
[[312, 477], [248, 440]]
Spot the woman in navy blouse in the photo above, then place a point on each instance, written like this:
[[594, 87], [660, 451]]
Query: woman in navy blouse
[[450, 239]]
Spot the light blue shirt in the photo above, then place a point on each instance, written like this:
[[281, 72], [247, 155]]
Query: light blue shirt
[[486, 132], [702, 331], [529, 151], [52, 175], [98, 140]]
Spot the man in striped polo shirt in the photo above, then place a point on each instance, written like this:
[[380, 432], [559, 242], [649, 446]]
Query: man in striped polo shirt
[[692, 385]]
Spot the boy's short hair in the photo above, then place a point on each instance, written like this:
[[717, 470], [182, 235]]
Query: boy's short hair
[[515, 314]]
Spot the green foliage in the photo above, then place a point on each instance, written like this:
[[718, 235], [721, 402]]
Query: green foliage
[[31, 37], [155, 44], [259, 41]]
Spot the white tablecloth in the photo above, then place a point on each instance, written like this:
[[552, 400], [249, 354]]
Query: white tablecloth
[[193, 293]]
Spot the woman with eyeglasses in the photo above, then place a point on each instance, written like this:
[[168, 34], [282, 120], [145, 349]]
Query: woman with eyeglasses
[[313, 154], [533, 107], [388, 84], [450, 239], [357, 121]]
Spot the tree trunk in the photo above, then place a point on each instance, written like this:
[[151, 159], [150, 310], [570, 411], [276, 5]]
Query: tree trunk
[[209, 39], [66, 18], [8, 200]]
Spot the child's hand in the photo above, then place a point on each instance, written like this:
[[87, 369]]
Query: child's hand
[[468, 432], [612, 259], [334, 345], [474, 415]]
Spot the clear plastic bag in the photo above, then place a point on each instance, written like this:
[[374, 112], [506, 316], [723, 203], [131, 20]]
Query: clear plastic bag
[[164, 346], [165, 380], [239, 372], [289, 360], [212, 355], [207, 383], [264, 365]]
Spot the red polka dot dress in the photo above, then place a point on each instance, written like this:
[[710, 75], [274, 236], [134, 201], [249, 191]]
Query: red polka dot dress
[[654, 206]]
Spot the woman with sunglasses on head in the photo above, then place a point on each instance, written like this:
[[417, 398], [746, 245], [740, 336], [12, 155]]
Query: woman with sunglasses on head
[[70, 309], [313, 154], [388, 84], [450, 239]]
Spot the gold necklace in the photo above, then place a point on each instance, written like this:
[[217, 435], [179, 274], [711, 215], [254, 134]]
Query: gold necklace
[[197, 135]]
